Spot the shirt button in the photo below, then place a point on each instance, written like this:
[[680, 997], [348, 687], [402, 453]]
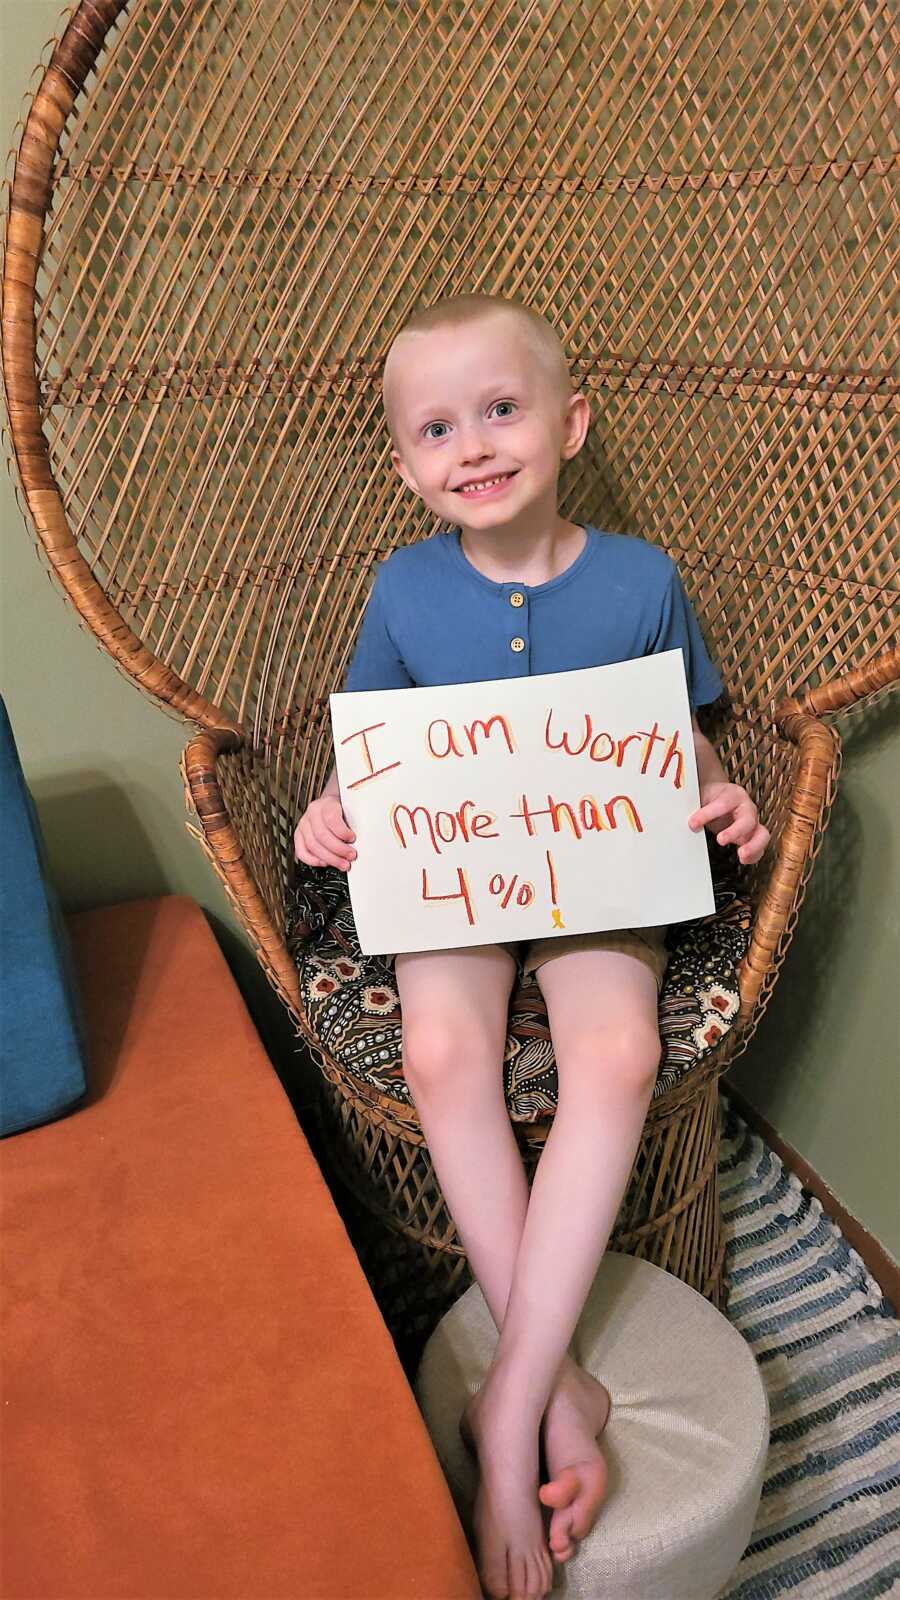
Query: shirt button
[[517, 644], [517, 598]]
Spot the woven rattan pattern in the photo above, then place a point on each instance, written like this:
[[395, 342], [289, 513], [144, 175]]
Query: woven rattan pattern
[[700, 198]]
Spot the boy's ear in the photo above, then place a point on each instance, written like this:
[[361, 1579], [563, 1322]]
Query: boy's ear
[[578, 417], [399, 466]]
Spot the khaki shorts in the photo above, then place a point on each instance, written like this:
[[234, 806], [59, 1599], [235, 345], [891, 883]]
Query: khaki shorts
[[646, 944]]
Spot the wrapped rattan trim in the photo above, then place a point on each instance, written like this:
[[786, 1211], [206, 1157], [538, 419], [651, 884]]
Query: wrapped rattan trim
[[412, 182], [70, 64], [819, 754], [813, 791], [194, 380], [849, 688], [226, 854]]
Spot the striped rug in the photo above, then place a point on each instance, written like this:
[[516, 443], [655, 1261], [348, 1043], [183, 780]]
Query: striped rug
[[828, 1347]]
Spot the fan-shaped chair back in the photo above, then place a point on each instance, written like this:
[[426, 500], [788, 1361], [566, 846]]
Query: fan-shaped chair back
[[223, 210]]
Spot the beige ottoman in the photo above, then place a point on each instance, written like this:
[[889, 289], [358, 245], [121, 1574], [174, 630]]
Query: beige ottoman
[[685, 1444]]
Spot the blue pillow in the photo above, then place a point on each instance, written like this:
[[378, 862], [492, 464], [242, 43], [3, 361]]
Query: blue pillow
[[42, 1035]]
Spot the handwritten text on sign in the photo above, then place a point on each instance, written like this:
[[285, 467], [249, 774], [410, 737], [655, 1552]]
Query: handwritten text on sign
[[521, 807]]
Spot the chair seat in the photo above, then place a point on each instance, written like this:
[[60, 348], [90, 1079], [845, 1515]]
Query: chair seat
[[353, 1007], [685, 1445]]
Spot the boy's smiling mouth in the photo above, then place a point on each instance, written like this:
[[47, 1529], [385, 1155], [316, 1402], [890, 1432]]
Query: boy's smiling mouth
[[476, 488]]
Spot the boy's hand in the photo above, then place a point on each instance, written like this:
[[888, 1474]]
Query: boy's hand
[[322, 837], [743, 827]]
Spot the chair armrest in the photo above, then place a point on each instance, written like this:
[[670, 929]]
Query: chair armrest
[[812, 792], [851, 689], [239, 842], [795, 847]]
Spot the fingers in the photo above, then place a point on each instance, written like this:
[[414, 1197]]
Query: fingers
[[743, 827], [739, 828], [746, 829], [750, 836], [720, 807], [322, 852], [755, 845], [322, 840]]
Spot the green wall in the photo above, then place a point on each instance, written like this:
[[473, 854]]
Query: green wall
[[822, 1067], [102, 763]]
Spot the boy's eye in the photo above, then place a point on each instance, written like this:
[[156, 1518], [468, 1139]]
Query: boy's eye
[[509, 404]]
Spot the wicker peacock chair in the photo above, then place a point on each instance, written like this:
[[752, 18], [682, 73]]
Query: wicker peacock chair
[[221, 212]]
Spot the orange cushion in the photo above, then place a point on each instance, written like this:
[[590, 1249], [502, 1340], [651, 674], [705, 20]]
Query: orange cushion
[[200, 1397]]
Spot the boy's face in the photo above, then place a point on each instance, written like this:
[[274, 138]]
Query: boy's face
[[477, 403]]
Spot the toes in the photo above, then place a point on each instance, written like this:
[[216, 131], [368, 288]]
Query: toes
[[535, 1584], [546, 1572], [582, 1517], [495, 1583], [518, 1578], [530, 1577], [586, 1511], [562, 1544], [537, 1576], [561, 1490], [492, 1569], [561, 1533]]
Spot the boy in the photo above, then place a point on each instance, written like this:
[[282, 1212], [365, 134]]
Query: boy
[[480, 408]]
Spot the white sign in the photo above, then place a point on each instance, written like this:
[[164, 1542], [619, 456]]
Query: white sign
[[517, 808]]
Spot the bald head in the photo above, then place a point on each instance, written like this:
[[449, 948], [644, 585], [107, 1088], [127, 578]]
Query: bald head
[[526, 330]]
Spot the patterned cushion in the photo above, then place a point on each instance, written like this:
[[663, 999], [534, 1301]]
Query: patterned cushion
[[353, 1008]]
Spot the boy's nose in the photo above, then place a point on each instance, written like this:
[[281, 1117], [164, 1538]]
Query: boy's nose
[[474, 447]]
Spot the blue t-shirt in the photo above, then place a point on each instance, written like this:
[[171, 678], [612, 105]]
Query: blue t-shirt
[[433, 618]]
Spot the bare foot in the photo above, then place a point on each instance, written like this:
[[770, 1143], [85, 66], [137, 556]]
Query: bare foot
[[576, 1414], [513, 1559]]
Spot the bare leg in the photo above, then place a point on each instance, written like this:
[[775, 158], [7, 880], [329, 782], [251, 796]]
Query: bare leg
[[602, 1007], [455, 1008]]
